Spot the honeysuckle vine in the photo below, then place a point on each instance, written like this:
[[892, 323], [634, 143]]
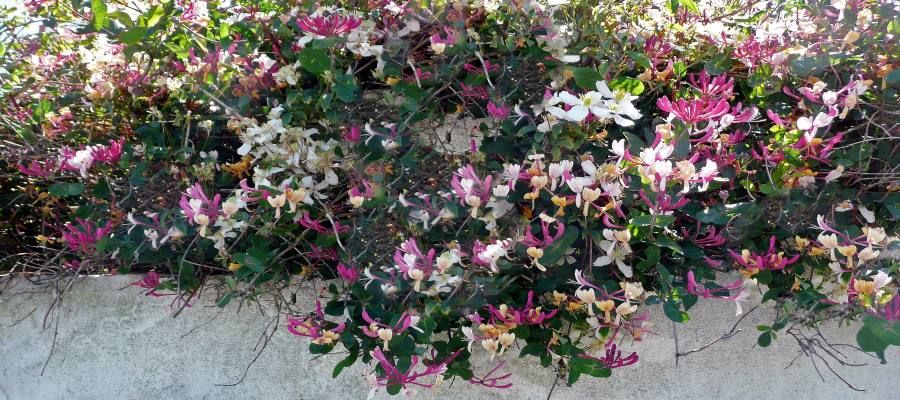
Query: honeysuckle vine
[[460, 184]]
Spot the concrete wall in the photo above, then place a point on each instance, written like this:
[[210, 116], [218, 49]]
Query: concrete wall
[[116, 344]]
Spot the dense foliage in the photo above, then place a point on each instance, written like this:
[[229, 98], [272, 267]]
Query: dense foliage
[[463, 177]]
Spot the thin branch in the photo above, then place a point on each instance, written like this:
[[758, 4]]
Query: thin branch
[[734, 331]]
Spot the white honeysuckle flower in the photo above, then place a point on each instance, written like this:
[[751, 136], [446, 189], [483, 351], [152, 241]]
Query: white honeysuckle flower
[[835, 174], [875, 236], [867, 214], [881, 280]]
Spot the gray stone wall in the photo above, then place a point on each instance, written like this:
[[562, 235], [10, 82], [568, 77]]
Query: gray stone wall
[[113, 343]]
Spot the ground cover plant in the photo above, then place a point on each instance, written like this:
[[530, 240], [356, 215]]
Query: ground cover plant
[[521, 178]]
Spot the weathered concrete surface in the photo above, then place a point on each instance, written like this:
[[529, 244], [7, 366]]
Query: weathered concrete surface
[[117, 344]]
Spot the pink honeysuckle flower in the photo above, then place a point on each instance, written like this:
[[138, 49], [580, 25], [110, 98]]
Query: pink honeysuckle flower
[[439, 43], [582, 282], [319, 253], [754, 53], [472, 69], [737, 137], [656, 49], [84, 236], [151, 282], [58, 124], [367, 191], [197, 207], [393, 375], [719, 87], [315, 327], [728, 292], [353, 135], [712, 263], [469, 188], [374, 326], [613, 358], [776, 118], [412, 262], [252, 195], [823, 225], [40, 169], [474, 92], [499, 112], [82, 160], [493, 382], [772, 158], [109, 154], [891, 310], [663, 203], [348, 273], [772, 260], [817, 148], [419, 74], [328, 26], [76, 160], [527, 315], [712, 239], [607, 222], [548, 239], [695, 110], [487, 255], [307, 222], [739, 114]]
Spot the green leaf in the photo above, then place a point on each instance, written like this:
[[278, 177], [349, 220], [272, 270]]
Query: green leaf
[[640, 59], [346, 362], [589, 366], [653, 256], [154, 15], [558, 249], [771, 294], [712, 215], [665, 241], [315, 348], [334, 308], [647, 220], [63, 189], [122, 17], [765, 339], [345, 88], [101, 17], [316, 61], [628, 84], [870, 341], [764, 277], [394, 389], [719, 64], [249, 261], [689, 300], [690, 5], [133, 35], [224, 300], [586, 78], [533, 349], [674, 313], [893, 79], [680, 69], [102, 190], [889, 331]]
